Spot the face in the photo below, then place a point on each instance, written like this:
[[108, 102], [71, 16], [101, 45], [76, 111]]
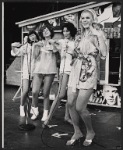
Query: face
[[69, 17], [46, 32], [32, 37], [86, 19], [110, 94], [116, 9], [66, 33]]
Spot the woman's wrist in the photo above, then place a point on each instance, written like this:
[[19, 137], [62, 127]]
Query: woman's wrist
[[103, 57], [69, 53], [100, 39]]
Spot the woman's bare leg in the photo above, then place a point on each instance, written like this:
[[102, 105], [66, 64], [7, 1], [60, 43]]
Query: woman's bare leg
[[81, 104], [37, 81], [72, 97], [60, 95], [48, 80], [25, 91], [67, 114]]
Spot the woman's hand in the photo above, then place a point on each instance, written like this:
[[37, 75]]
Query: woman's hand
[[51, 42], [98, 33], [69, 50], [99, 42], [39, 43]]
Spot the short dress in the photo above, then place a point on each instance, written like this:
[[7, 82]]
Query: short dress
[[84, 72], [66, 58], [26, 51], [46, 61]]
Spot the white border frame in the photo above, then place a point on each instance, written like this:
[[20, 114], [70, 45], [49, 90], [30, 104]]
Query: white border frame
[[2, 74]]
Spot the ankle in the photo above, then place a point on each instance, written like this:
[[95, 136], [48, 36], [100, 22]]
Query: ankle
[[77, 135], [22, 112], [45, 115], [35, 112], [90, 135]]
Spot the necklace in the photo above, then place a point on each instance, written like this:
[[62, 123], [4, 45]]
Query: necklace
[[85, 34]]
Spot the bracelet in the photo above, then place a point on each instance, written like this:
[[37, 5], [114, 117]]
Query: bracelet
[[103, 57], [69, 53]]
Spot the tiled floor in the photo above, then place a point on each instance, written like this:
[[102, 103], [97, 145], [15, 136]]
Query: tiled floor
[[106, 123]]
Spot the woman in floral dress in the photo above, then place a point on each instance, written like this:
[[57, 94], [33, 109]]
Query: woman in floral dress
[[84, 75]]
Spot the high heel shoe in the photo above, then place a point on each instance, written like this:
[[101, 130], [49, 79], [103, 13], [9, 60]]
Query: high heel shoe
[[45, 126], [88, 142], [45, 123], [72, 142], [68, 121]]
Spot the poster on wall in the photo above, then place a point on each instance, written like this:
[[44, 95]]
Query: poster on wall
[[106, 95]]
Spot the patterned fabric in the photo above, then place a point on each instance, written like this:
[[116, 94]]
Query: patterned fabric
[[66, 58], [84, 73]]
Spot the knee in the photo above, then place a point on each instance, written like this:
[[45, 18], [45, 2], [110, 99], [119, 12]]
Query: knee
[[80, 109], [61, 96], [46, 95], [25, 92], [70, 104], [35, 93]]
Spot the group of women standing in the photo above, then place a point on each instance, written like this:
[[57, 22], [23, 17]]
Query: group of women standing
[[78, 72]]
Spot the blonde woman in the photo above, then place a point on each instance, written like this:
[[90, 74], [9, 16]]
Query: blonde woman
[[84, 75]]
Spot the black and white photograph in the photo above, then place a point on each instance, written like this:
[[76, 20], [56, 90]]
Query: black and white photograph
[[61, 75]]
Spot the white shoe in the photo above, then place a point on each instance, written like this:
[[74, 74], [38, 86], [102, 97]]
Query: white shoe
[[35, 113], [22, 112], [45, 115]]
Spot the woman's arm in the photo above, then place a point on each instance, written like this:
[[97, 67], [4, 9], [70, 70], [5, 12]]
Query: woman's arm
[[100, 44], [37, 49], [19, 51], [102, 47], [70, 48], [15, 52]]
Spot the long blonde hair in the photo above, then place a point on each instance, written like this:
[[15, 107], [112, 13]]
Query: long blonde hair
[[94, 16]]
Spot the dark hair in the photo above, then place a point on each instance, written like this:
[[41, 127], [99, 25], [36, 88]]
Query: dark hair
[[30, 33], [116, 4], [70, 27], [44, 27]]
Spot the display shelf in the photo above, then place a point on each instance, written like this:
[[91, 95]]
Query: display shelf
[[96, 104]]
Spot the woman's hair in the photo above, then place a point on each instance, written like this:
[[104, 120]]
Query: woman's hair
[[70, 27], [116, 4], [44, 27], [30, 33], [94, 16], [92, 12]]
